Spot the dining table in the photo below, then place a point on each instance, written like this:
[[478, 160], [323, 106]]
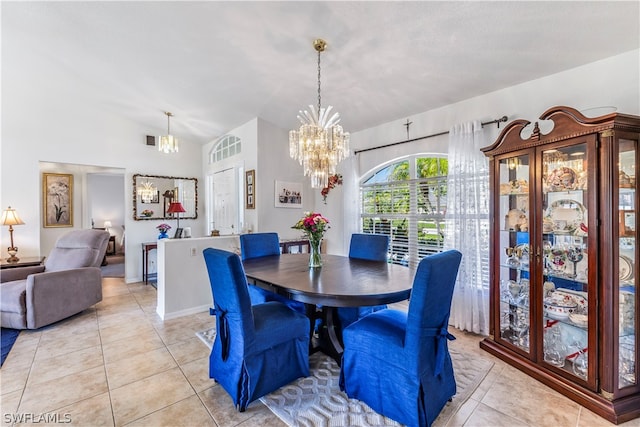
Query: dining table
[[341, 281]]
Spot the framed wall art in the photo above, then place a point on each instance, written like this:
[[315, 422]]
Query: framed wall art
[[250, 189], [57, 199], [288, 194]]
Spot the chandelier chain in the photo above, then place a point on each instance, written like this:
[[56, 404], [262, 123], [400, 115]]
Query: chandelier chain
[[319, 97]]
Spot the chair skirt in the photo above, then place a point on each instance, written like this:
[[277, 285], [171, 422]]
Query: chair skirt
[[394, 381], [276, 355]]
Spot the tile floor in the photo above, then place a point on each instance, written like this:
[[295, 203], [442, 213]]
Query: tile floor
[[118, 364]]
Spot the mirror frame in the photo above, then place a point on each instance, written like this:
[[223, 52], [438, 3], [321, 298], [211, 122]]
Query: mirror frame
[[135, 197]]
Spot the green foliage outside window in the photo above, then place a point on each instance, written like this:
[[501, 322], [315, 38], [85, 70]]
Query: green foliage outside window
[[393, 200]]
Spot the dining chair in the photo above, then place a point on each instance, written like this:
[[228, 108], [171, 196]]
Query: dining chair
[[398, 362], [255, 245], [372, 247], [258, 348]]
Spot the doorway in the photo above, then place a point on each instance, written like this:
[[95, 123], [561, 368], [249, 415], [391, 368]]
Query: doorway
[[226, 195]]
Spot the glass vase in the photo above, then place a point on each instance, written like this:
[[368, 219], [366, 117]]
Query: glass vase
[[315, 258], [163, 235]]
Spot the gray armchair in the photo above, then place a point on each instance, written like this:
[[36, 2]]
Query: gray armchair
[[69, 282]]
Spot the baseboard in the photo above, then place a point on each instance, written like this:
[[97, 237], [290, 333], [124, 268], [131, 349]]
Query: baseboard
[[186, 312]]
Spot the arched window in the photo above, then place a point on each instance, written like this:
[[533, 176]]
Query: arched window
[[406, 200], [228, 146]]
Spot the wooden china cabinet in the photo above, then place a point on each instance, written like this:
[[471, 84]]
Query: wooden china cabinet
[[563, 278]]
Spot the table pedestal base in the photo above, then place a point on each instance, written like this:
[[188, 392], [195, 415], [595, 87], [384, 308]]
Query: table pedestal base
[[324, 335]]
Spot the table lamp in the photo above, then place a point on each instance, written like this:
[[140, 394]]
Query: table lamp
[[107, 226], [176, 208], [10, 217]]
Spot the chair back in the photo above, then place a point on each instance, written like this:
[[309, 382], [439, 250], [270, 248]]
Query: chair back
[[430, 303], [373, 247], [77, 249], [234, 317], [254, 245]]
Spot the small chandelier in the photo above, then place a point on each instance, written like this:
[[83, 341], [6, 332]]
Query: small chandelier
[[147, 192], [168, 142], [320, 143]]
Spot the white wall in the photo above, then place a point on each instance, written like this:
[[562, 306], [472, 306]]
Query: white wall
[[179, 293], [274, 164], [265, 148], [610, 82], [50, 119]]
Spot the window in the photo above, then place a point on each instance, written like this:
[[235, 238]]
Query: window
[[406, 200], [228, 146]]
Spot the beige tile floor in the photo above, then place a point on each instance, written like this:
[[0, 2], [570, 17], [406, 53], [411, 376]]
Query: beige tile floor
[[118, 364]]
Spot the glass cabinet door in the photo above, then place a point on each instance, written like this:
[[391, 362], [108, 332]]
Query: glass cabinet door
[[627, 255], [514, 208], [564, 249]]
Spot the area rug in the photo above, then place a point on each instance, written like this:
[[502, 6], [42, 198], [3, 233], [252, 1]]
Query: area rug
[[318, 401], [114, 267], [8, 338]]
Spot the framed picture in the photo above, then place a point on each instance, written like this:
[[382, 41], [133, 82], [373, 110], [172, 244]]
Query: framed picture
[[250, 188], [178, 234], [57, 199], [627, 223], [288, 194]]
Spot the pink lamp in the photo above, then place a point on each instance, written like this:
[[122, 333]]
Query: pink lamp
[[176, 208]]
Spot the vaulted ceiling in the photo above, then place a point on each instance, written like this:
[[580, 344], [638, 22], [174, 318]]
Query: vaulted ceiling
[[216, 65]]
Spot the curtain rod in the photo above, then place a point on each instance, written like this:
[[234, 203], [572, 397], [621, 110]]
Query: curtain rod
[[497, 121]]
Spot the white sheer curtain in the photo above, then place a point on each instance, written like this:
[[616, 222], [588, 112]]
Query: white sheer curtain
[[467, 226], [351, 202]]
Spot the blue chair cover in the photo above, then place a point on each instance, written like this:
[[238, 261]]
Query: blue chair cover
[[373, 247], [258, 348], [398, 363], [255, 245]]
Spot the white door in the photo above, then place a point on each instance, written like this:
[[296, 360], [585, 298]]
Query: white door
[[225, 196]]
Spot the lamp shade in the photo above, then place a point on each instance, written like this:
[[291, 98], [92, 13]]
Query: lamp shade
[[107, 224], [10, 217], [176, 207]]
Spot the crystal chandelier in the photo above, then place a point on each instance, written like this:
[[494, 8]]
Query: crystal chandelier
[[320, 143], [168, 142], [147, 192]]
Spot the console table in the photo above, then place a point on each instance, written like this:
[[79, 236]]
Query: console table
[[286, 245], [146, 247], [23, 262]]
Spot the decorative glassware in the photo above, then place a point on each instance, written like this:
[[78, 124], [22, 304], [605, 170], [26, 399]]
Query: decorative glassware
[[315, 258], [627, 365], [575, 255], [512, 260], [581, 364], [554, 350], [313, 226], [557, 260]]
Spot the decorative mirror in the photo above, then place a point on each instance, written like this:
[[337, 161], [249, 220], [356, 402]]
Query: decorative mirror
[[153, 194]]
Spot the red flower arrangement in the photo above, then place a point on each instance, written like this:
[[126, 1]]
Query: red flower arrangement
[[333, 181]]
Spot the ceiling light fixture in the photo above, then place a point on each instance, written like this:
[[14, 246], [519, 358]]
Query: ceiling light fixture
[[168, 142], [320, 143], [147, 192]]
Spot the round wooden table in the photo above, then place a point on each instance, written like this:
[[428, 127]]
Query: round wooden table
[[340, 282]]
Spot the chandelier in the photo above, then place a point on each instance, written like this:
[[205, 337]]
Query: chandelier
[[168, 142], [147, 192], [320, 143]]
